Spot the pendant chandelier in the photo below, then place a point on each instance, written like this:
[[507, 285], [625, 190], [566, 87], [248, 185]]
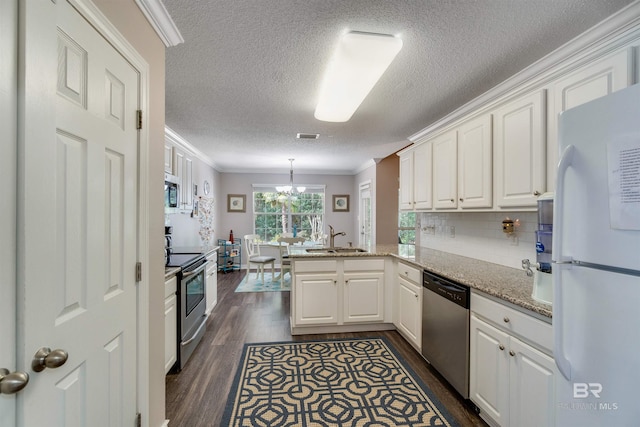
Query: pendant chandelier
[[290, 189]]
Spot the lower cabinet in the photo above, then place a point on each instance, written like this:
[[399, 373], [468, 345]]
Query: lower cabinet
[[170, 323], [408, 311], [338, 292], [211, 281], [510, 380]]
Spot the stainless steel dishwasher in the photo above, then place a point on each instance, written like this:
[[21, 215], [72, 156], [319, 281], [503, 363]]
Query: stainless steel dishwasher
[[445, 329]]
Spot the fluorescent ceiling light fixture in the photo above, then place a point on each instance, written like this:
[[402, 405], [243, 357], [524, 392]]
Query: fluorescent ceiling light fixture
[[356, 66]]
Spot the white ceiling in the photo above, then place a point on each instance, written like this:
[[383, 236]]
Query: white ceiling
[[245, 81]]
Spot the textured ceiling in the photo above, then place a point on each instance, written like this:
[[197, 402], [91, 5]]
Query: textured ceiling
[[246, 80]]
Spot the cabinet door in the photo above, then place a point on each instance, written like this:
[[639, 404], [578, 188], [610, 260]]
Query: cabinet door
[[363, 297], [519, 154], [475, 175], [316, 299], [532, 394], [406, 181], [422, 177], [168, 158], [184, 171], [211, 285], [583, 85], [410, 312], [489, 370], [170, 332], [445, 174]]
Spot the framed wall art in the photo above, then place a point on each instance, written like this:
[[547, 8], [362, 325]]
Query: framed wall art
[[341, 203], [236, 202]]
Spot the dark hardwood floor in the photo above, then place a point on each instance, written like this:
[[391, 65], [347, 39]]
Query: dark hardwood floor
[[197, 395]]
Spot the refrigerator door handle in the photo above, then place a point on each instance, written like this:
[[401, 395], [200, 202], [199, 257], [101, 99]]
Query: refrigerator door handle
[[565, 161], [563, 363]]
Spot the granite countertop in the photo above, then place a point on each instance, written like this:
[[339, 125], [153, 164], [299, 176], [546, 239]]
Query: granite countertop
[[506, 283]]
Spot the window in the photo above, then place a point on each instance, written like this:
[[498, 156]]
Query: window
[[277, 213], [407, 227]]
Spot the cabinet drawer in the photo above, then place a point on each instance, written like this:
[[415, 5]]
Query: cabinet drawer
[[410, 273], [516, 322], [170, 286], [330, 265], [363, 265]]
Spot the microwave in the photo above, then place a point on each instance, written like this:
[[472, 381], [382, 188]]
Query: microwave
[[170, 191]]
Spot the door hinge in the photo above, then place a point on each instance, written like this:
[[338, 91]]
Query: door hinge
[[138, 271], [139, 125], [138, 419]]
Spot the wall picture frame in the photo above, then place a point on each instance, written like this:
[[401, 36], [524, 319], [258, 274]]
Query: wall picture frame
[[236, 202], [340, 203]]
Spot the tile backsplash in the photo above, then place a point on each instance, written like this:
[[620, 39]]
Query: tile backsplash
[[479, 235]]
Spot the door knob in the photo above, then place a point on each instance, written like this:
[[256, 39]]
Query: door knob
[[12, 382], [45, 358]]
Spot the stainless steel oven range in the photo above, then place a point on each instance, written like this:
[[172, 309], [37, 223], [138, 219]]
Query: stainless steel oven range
[[191, 303]]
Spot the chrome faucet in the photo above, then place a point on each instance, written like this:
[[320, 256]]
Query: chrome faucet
[[332, 236]]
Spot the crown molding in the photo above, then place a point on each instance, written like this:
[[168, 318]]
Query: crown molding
[[161, 21], [606, 36], [173, 137]]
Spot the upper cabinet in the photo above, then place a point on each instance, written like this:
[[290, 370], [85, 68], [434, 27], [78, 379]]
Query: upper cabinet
[[475, 183], [445, 149], [183, 169], [608, 75], [500, 150], [519, 151], [168, 158], [415, 178]]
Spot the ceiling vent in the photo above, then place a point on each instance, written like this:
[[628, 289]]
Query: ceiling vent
[[308, 136]]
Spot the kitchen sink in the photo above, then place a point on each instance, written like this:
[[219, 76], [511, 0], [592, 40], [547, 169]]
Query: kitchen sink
[[335, 250]]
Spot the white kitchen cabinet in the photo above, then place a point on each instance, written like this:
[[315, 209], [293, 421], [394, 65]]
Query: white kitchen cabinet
[[363, 290], [338, 292], [445, 171], [183, 167], [475, 174], [511, 376], [585, 84], [168, 158], [415, 178], [408, 316], [519, 151], [170, 323], [211, 281]]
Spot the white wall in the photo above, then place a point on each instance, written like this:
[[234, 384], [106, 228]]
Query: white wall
[[479, 235]]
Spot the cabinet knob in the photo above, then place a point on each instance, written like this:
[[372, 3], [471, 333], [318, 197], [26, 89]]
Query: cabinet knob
[[536, 193], [501, 347], [512, 353], [416, 295], [346, 282], [461, 199], [506, 319], [452, 200], [335, 282]]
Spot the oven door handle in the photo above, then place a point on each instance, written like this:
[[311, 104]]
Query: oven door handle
[[195, 334], [194, 272]]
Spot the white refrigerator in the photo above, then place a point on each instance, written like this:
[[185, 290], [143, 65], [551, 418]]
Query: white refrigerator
[[596, 251]]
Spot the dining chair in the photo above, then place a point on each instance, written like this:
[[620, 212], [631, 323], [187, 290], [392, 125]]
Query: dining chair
[[254, 257], [284, 244]]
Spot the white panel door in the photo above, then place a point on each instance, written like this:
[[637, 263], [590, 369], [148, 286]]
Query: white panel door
[[519, 153], [363, 297], [316, 299], [8, 171], [422, 177], [410, 311], [77, 221], [445, 173], [475, 182], [406, 182]]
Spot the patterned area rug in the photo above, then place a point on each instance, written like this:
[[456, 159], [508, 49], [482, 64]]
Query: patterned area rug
[[251, 283], [354, 382]]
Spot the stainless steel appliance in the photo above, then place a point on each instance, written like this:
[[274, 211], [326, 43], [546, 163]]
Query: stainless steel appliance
[[192, 303], [170, 191], [445, 329]]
